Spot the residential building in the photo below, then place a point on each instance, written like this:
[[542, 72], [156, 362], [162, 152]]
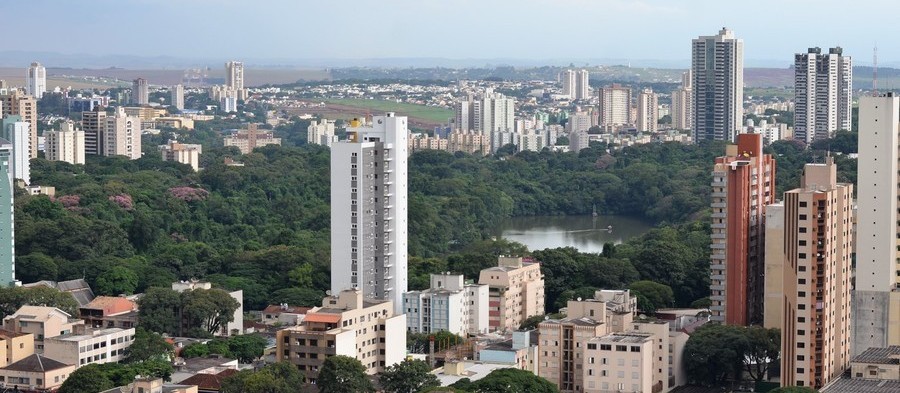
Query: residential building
[[228, 104], [682, 108], [36, 373], [284, 314], [615, 105], [618, 362], [369, 209], [7, 218], [251, 138], [14, 102], [36, 80], [575, 84], [823, 90], [427, 142], [94, 125], [65, 144], [717, 67], [18, 133], [122, 135], [743, 184], [188, 154], [145, 113], [519, 351], [471, 142], [42, 322], [448, 305], [109, 312], [89, 346], [875, 370], [321, 132], [568, 83], [236, 326], [15, 346], [234, 78], [815, 267], [81, 103], [876, 295], [348, 325], [647, 111], [579, 121], [140, 92], [177, 96], [489, 113], [516, 292]]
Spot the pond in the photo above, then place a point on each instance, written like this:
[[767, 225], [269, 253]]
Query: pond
[[585, 233]]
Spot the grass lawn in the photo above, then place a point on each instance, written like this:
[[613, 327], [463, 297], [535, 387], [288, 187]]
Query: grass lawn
[[430, 113]]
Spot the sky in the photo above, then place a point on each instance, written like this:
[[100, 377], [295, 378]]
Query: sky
[[281, 30]]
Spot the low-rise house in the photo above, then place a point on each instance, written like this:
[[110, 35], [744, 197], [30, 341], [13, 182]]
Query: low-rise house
[[89, 346], [35, 373], [283, 314], [16, 346], [213, 364], [110, 312], [209, 383], [42, 322], [520, 351]]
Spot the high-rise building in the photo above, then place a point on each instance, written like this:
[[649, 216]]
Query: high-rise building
[[140, 92], [184, 153], [321, 132], [491, 112], [516, 292], [876, 295], [647, 110], [682, 104], [36, 80], [7, 209], [369, 209], [122, 135], [568, 83], [66, 144], [17, 132], [717, 65], [582, 85], [14, 102], [743, 184], [94, 124], [615, 105], [814, 227], [234, 78], [823, 89], [178, 96]]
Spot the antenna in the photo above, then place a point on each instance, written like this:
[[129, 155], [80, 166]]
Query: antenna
[[875, 70]]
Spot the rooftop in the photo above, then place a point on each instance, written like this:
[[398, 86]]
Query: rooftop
[[889, 355], [209, 381], [473, 371], [36, 363], [277, 309], [846, 385], [90, 334], [625, 338]]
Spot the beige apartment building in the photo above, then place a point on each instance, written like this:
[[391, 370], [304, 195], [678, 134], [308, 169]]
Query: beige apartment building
[[66, 144], [427, 142], [16, 346], [42, 322], [347, 325], [815, 225], [15, 102], [36, 373], [251, 138], [89, 346], [619, 362], [469, 142], [145, 112], [516, 292], [188, 154]]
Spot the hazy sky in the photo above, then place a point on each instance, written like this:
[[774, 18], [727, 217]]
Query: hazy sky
[[458, 29]]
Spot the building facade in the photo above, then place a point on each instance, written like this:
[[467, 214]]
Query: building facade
[[7, 218], [140, 92], [717, 67], [42, 322], [321, 132], [823, 93], [188, 154], [615, 105], [66, 144], [13, 102], [234, 78], [816, 229], [89, 346], [647, 111], [122, 135], [448, 305], [177, 97], [251, 138], [348, 325], [682, 108], [369, 209], [516, 292], [17, 132], [36, 80], [94, 125], [743, 184]]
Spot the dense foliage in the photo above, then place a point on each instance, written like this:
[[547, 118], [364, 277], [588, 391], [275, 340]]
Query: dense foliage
[[717, 353], [246, 348], [343, 374], [99, 377], [281, 377], [408, 376], [507, 380]]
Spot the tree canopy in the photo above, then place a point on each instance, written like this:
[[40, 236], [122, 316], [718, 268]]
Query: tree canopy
[[408, 376], [343, 374]]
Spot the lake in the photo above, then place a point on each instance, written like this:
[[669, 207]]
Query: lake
[[586, 233]]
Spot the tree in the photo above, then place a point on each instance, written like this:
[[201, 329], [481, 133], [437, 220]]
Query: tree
[[117, 281], [247, 347], [764, 349], [343, 374], [12, 298], [87, 379], [147, 346], [408, 376], [281, 377], [714, 353], [208, 309], [794, 389], [35, 267], [196, 350], [508, 380], [652, 296], [160, 310]]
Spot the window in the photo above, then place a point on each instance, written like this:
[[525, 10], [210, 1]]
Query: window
[[635, 349], [592, 346], [803, 217], [621, 348]]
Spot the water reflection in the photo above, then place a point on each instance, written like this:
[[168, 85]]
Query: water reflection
[[586, 233]]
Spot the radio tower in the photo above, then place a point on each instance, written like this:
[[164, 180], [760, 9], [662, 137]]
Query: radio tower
[[875, 70]]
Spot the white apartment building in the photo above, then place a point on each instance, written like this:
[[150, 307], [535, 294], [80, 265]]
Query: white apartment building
[[568, 83], [66, 144], [234, 78], [717, 66], [489, 113], [90, 346], [448, 305], [122, 135], [823, 90], [321, 132], [369, 209], [647, 111], [36, 80], [177, 96], [18, 133], [876, 295], [615, 105], [188, 154], [575, 84], [579, 121]]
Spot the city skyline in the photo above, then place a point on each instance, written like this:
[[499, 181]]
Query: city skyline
[[597, 23]]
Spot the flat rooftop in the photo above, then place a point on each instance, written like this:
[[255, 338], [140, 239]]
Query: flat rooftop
[[624, 338]]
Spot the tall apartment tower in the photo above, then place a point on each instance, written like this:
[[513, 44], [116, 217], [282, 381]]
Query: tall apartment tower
[[17, 132], [876, 296], [178, 96], [568, 83], [7, 208], [615, 105], [647, 111], [234, 78], [717, 64], [36, 80], [321, 133], [140, 92], [94, 124], [582, 85], [823, 90], [14, 102], [66, 144], [743, 184], [369, 209], [122, 135], [683, 104], [810, 276]]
